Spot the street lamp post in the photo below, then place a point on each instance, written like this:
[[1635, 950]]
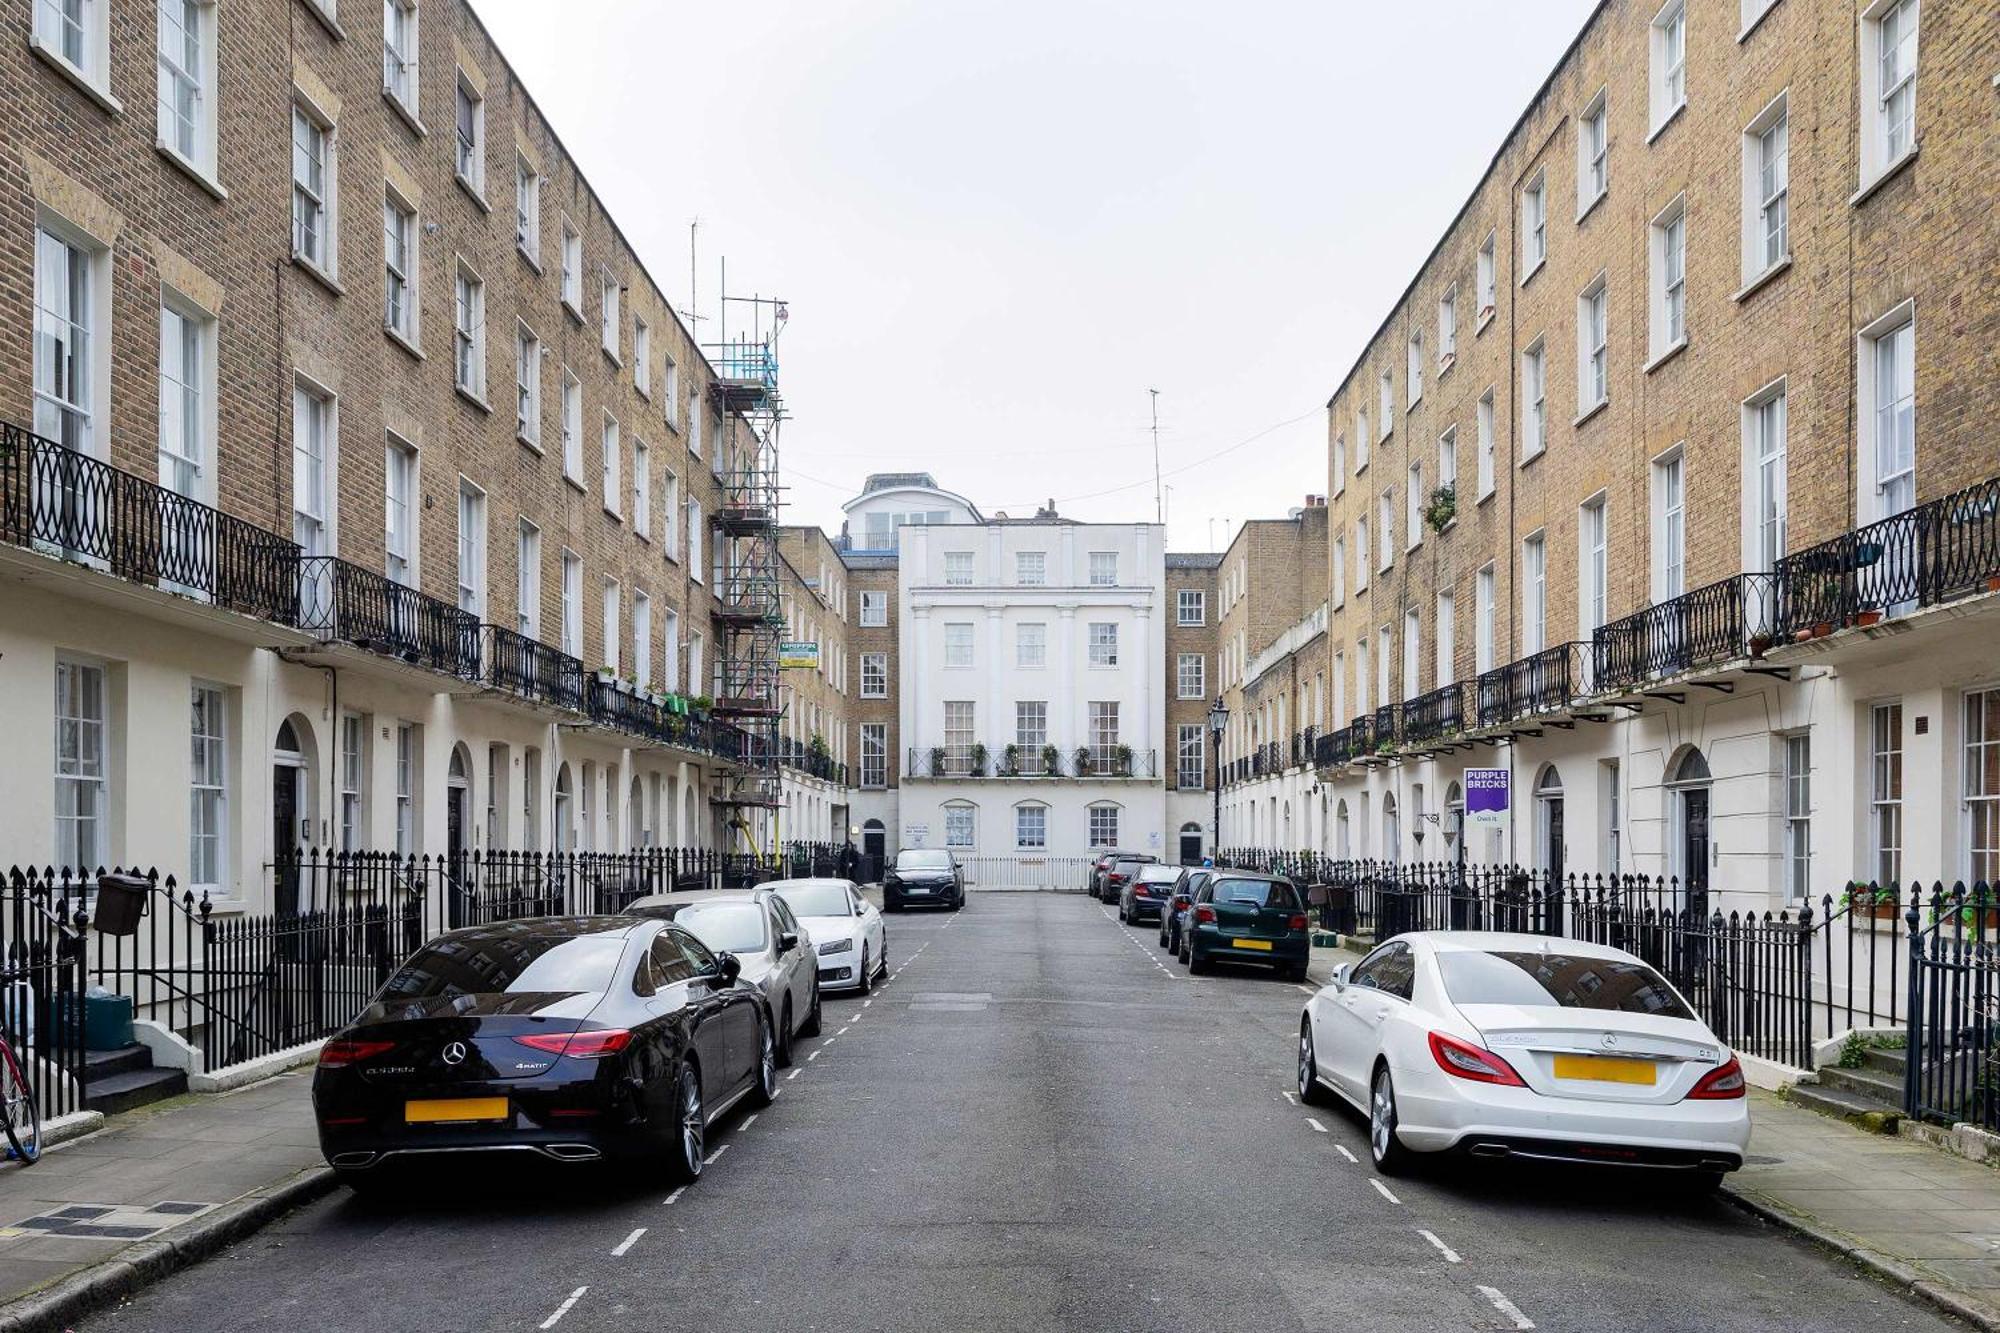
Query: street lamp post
[[1218, 718]]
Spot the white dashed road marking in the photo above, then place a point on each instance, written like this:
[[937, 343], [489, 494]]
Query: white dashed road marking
[[1316, 1124], [866, 1003], [1500, 1303], [1291, 1097], [749, 1120], [794, 1074], [1341, 1148], [677, 1194], [1450, 1255], [710, 1159], [628, 1242], [814, 1056], [1307, 989], [575, 1296], [1383, 1190]]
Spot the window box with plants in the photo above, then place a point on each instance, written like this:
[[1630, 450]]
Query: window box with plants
[[1441, 508], [976, 757]]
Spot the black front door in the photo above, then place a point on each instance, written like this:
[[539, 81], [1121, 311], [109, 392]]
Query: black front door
[[1190, 849], [454, 841], [1694, 848], [285, 835], [872, 847], [1554, 851]]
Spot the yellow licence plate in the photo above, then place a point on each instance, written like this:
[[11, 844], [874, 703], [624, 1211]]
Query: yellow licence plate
[[1606, 1069], [450, 1109], [1265, 945]]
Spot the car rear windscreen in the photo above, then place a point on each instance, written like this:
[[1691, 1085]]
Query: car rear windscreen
[[1256, 892], [921, 860], [817, 899], [1547, 980], [1159, 874], [517, 964], [735, 927]]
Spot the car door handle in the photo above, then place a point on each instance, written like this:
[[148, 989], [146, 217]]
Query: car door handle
[[1382, 1013]]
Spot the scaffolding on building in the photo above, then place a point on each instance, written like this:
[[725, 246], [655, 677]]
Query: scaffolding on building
[[749, 615]]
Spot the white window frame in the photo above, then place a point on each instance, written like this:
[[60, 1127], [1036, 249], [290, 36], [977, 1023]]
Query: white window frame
[[1103, 641], [82, 808], [1385, 549], [469, 333], [1593, 153], [1666, 66], [874, 675], [642, 357], [1486, 614], [1766, 223], [642, 490], [471, 548], [315, 475], [1487, 279], [570, 415], [1888, 89], [1593, 565], [1766, 502], [570, 588], [1104, 569], [73, 323], [315, 200], [1361, 440], [1191, 608], [642, 637], [696, 536], [1534, 593], [958, 569], [611, 623], [1103, 825], [1886, 788], [1413, 373], [1031, 826], [1534, 226], [608, 331], [958, 645], [1031, 645], [1534, 400], [528, 579], [1666, 313], [1385, 403], [1979, 797], [1337, 584], [208, 786], [1487, 459], [1593, 346], [188, 395], [1887, 452], [611, 459], [1797, 848], [874, 754], [1191, 675], [571, 263], [528, 211], [1669, 524], [874, 612], [527, 386], [400, 59], [185, 96], [469, 151], [1361, 554], [1447, 346], [400, 516], [77, 44], [402, 303]]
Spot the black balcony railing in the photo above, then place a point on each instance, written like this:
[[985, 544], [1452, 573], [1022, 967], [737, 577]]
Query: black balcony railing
[[1434, 716], [1709, 625], [1385, 732], [532, 669], [1942, 549], [1118, 761], [1543, 682], [71, 505], [803, 758], [348, 604]]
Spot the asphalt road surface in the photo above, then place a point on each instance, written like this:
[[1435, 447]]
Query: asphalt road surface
[[1038, 1124]]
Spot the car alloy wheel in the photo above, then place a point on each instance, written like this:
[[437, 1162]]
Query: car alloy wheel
[[1390, 1156], [867, 977], [1310, 1091], [785, 1036], [766, 1090], [694, 1124], [811, 1026]]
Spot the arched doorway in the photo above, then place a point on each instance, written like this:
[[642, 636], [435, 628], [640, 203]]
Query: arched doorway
[[565, 830], [1454, 823], [457, 810], [1688, 782], [635, 815], [291, 809], [874, 844], [1392, 829], [1549, 823], [1190, 844], [1343, 847]]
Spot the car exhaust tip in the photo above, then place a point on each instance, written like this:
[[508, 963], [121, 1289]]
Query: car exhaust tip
[[572, 1152], [353, 1161], [1490, 1150]]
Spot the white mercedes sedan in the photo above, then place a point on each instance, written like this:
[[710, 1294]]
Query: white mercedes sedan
[[846, 929], [1499, 1045]]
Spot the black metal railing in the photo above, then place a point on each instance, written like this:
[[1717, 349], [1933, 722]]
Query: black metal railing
[[804, 758], [1721, 622], [42, 925], [1952, 1029], [343, 602], [1543, 682], [1385, 730], [70, 505], [532, 669], [1937, 551], [1434, 716], [801, 859], [1119, 761]]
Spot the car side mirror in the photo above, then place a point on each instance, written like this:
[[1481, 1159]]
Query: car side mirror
[[788, 941], [727, 968], [1340, 975]]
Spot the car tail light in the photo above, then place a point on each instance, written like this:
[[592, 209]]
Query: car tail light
[[344, 1120], [1461, 1059], [1723, 1083], [573, 1112], [581, 1045], [1297, 923], [338, 1054], [1204, 915]]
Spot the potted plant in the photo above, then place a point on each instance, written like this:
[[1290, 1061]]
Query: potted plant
[[606, 676], [977, 754], [1052, 761], [1866, 900], [701, 704], [937, 761], [1010, 761], [1082, 758], [1122, 756], [1442, 508]]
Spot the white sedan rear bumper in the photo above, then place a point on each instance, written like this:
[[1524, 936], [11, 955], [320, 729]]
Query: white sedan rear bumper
[[1436, 1113]]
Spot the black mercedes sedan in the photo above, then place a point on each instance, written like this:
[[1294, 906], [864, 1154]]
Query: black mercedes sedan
[[921, 875], [575, 1038]]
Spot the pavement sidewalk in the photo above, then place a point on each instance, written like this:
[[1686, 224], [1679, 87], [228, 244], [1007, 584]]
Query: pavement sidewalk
[[154, 1190]]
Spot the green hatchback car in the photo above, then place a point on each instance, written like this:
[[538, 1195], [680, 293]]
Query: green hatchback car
[[1244, 917]]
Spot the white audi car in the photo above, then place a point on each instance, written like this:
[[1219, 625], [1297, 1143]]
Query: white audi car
[[1500, 1045], [845, 927]]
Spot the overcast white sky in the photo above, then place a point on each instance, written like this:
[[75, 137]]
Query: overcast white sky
[[1000, 222]]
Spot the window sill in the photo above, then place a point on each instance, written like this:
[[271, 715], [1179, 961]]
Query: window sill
[[395, 336], [668, 550], [575, 482], [531, 260], [1411, 406], [83, 82], [1591, 411], [1756, 21], [612, 357], [643, 391], [639, 531], [570, 309], [405, 113], [1484, 496], [1591, 206], [318, 274], [613, 514], [532, 446], [1884, 176], [326, 19], [1667, 120], [1533, 269], [478, 197], [192, 172], [1360, 467], [1673, 350], [1529, 458], [1757, 283], [1445, 364], [1485, 317], [469, 396]]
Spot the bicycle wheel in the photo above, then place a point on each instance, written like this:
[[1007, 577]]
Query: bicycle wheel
[[19, 1114]]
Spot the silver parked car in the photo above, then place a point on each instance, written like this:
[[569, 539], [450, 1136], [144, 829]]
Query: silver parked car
[[760, 929]]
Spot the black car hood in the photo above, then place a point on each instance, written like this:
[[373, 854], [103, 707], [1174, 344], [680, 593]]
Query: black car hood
[[922, 876]]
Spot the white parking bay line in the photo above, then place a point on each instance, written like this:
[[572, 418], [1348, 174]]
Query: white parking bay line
[[1500, 1303], [1341, 1148], [710, 1159], [1316, 1124], [1291, 1097], [812, 1057], [866, 1003], [749, 1120], [1307, 989], [795, 1073], [575, 1296], [1450, 1255], [1383, 1190], [628, 1242], [680, 1190]]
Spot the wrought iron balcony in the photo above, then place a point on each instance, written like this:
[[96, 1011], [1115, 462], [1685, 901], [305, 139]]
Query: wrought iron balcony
[[1940, 550], [533, 670], [72, 506], [1434, 716], [1114, 761], [804, 759], [1710, 625], [345, 603], [1543, 682], [1386, 732]]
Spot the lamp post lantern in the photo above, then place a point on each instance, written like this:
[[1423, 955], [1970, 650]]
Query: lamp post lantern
[[1218, 719]]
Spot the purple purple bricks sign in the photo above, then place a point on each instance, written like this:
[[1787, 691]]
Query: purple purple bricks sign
[[1486, 792]]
